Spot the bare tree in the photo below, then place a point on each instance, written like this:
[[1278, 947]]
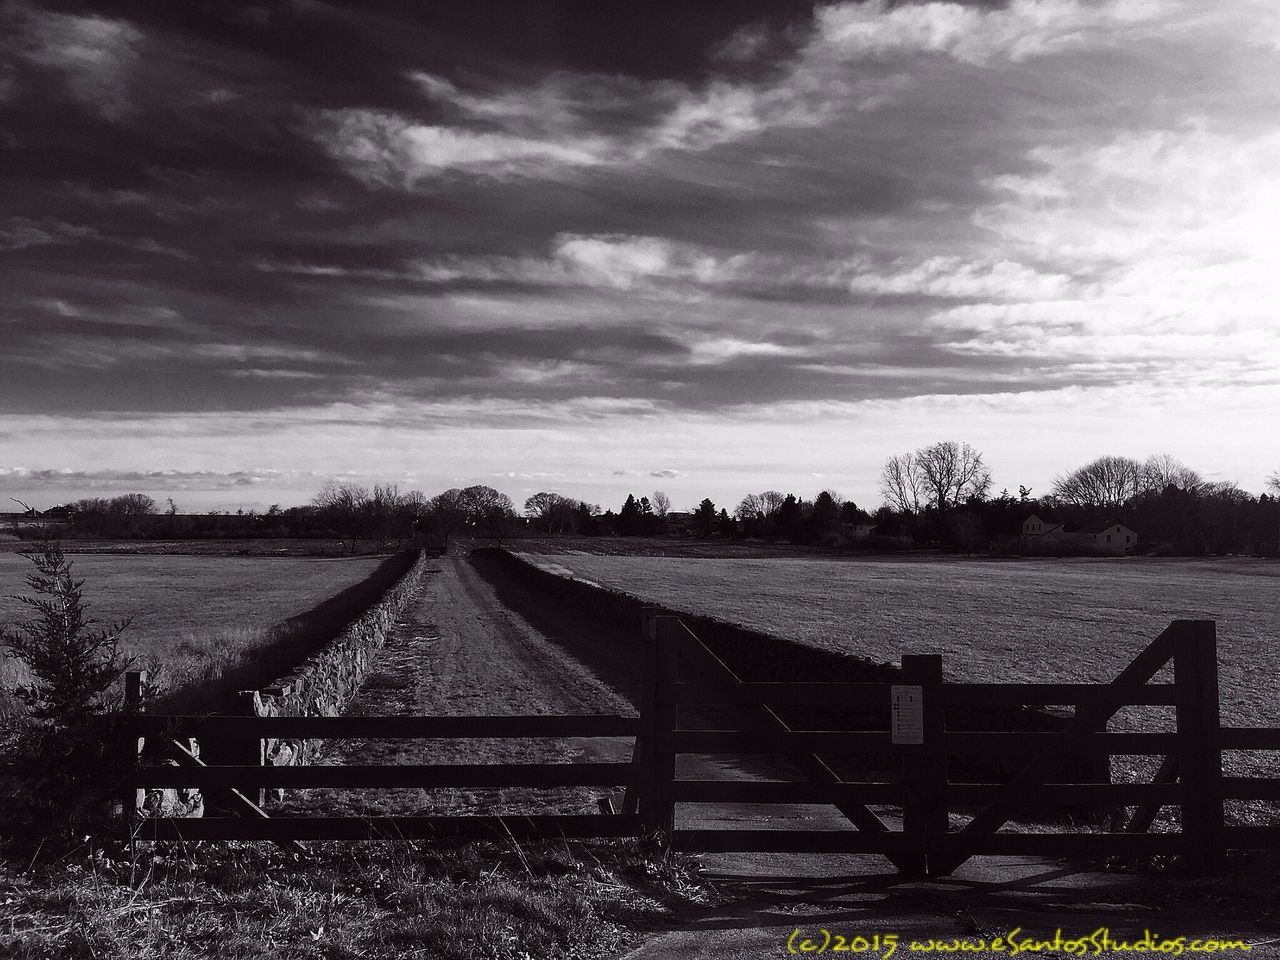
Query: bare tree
[[488, 512], [1225, 491], [413, 511], [943, 474], [93, 505], [344, 505], [383, 510], [750, 508], [542, 505], [1107, 482], [132, 505], [448, 513], [1163, 470], [772, 500], [1273, 482], [900, 483], [553, 512], [952, 473], [479, 504], [661, 504]]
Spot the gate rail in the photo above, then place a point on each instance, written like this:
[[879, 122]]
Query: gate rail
[[1190, 776], [259, 826]]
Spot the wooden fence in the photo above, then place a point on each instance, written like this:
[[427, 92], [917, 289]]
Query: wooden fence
[[682, 678], [255, 824]]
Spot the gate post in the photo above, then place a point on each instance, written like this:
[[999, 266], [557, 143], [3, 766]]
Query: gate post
[[133, 795], [924, 770], [663, 757], [640, 797], [1195, 674]]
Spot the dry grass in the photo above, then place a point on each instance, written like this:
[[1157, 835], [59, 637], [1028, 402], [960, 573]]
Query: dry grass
[[546, 901], [1028, 620], [194, 617]]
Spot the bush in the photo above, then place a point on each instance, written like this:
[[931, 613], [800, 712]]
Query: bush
[[57, 782], [58, 789], [72, 666]]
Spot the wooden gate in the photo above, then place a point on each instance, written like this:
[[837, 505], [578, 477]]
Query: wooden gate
[[680, 675], [686, 674]]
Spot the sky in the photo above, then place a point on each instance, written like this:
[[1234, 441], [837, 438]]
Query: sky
[[601, 248]]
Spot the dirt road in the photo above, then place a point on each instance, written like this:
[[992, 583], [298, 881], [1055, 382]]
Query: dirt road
[[459, 650], [475, 642]]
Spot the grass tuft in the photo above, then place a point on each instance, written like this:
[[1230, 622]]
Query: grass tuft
[[456, 902]]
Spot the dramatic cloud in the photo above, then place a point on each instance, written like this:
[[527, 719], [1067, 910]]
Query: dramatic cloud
[[301, 240], [94, 56], [976, 35]]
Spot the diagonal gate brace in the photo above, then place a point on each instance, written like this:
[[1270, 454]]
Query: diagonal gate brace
[[813, 765], [1089, 718], [238, 801]]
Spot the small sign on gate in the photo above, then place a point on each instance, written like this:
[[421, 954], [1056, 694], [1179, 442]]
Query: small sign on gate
[[906, 713]]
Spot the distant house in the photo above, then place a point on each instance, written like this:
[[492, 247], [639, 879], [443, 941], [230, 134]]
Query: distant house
[[860, 530], [1109, 537], [1035, 528], [1112, 538]]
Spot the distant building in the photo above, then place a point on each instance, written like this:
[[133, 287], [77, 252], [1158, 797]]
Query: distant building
[[1035, 528], [860, 530], [1112, 538], [1109, 537]]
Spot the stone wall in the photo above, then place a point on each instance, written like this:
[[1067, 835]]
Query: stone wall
[[323, 684], [319, 686]]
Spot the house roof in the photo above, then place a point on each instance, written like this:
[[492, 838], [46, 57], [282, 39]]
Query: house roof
[[1100, 527], [1048, 524]]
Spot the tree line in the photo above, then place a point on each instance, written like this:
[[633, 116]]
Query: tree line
[[383, 513], [938, 495]]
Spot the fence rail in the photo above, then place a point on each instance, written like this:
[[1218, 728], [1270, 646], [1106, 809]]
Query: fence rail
[[452, 775], [681, 674], [387, 728], [535, 827]]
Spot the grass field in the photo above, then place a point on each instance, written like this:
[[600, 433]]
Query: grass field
[[217, 547], [1029, 620], [196, 615]]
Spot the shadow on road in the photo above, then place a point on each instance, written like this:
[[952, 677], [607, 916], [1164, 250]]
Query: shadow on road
[[609, 649]]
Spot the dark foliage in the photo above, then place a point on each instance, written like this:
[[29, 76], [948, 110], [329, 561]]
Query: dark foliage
[[72, 665]]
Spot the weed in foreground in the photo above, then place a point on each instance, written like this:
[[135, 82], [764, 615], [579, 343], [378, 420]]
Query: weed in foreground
[[404, 899]]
